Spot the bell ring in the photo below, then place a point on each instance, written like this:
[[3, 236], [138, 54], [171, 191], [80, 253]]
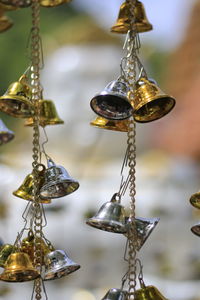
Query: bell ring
[[116, 294]]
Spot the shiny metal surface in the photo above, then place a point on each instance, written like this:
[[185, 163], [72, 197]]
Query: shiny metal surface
[[116, 294], [103, 123]]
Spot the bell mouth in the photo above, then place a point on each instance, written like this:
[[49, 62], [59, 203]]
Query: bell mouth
[[154, 110], [196, 229], [16, 107], [23, 195], [6, 137], [19, 276], [58, 189], [195, 200], [111, 107], [120, 27], [61, 272], [107, 225]]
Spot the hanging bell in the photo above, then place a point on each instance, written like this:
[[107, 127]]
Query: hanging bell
[[5, 23], [6, 135], [116, 294], [5, 251], [110, 217], [195, 200], [17, 99], [58, 264], [47, 114], [149, 292], [57, 183], [196, 229], [110, 124], [144, 227], [17, 3], [26, 189], [52, 3], [150, 103], [112, 103], [124, 19], [18, 268]]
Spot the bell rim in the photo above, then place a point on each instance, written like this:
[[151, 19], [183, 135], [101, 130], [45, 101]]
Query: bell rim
[[93, 222], [75, 267], [43, 123], [23, 195], [55, 197], [32, 272], [109, 127], [21, 99], [120, 27]]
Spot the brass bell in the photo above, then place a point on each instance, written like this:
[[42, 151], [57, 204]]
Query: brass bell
[[195, 200], [144, 227], [5, 23], [116, 294], [150, 103], [149, 292], [124, 19], [17, 99], [196, 229], [6, 135], [26, 189], [52, 3], [57, 183], [18, 268], [5, 251], [110, 124], [58, 264], [47, 114], [112, 103], [17, 3], [110, 217]]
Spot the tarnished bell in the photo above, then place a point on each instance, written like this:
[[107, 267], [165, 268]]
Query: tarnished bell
[[5, 23], [144, 227], [196, 229], [150, 103], [18, 268], [17, 3], [6, 135], [26, 189], [116, 294], [110, 217], [52, 3], [58, 264], [195, 200], [103, 123], [149, 292], [112, 103], [57, 183], [47, 114], [17, 99], [124, 19], [5, 251]]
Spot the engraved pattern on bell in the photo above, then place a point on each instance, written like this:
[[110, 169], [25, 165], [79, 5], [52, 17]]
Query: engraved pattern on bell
[[148, 293], [116, 294]]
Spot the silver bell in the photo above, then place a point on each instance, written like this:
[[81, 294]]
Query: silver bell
[[112, 103], [110, 217], [6, 135], [196, 229], [57, 183], [116, 294], [144, 227], [58, 264]]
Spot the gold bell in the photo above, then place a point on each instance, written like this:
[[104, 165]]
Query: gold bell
[[25, 191], [124, 19], [52, 3], [17, 99], [103, 123], [18, 268], [47, 114], [150, 103], [195, 200], [148, 293]]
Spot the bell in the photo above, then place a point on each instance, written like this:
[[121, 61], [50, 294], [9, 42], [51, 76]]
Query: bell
[[196, 229], [144, 228], [195, 200], [26, 189], [58, 264], [47, 114], [116, 294], [57, 183], [17, 99], [149, 292], [150, 103], [18, 268], [110, 124], [52, 3], [5, 23], [5, 251], [112, 103], [110, 217], [124, 19], [17, 3], [6, 135]]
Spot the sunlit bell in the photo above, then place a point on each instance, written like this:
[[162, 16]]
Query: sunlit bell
[[144, 227], [5, 251], [5, 22], [17, 99], [150, 103], [6, 135], [110, 217], [124, 19], [195, 200], [149, 292], [47, 114], [17, 3], [18, 268], [103, 123], [52, 3], [58, 264], [57, 183], [196, 229], [116, 294], [26, 189], [112, 103]]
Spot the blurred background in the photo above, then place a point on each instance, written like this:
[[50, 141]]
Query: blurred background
[[81, 56]]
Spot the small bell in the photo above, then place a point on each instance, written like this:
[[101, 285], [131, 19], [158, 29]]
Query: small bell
[[6, 135], [5, 251], [18, 268], [17, 3], [112, 103], [195, 200], [116, 294], [5, 23], [150, 103], [47, 114], [124, 19], [58, 264], [17, 99], [196, 229], [52, 3], [57, 183], [110, 124], [149, 292], [110, 217]]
